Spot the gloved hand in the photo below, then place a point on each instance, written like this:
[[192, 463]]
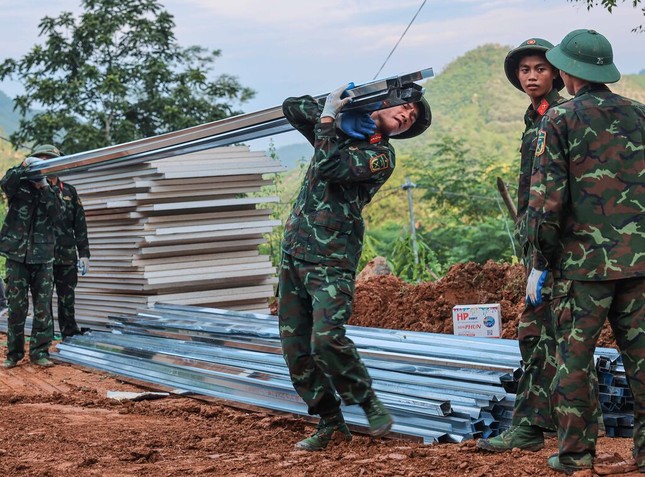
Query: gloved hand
[[356, 124], [32, 160], [534, 286], [83, 265], [40, 183], [335, 101]]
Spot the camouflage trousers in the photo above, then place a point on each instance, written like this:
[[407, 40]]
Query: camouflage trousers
[[22, 277], [581, 309], [314, 304], [533, 399], [66, 279]]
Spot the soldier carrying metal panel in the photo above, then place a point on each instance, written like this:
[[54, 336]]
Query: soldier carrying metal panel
[[27, 241], [322, 245]]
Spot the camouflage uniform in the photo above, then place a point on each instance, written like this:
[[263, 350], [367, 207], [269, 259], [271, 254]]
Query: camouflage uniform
[[321, 248], [586, 224], [71, 236], [535, 330], [27, 241]]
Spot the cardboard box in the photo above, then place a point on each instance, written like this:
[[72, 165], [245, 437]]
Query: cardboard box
[[477, 320]]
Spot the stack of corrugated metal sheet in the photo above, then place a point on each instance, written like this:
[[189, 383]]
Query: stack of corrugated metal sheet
[[615, 396], [182, 230], [438, 387]]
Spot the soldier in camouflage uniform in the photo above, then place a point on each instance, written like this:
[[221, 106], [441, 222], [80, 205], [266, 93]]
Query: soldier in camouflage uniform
[[322, 245], [27, 241], [528, 70], [587, 226], [70, 230]]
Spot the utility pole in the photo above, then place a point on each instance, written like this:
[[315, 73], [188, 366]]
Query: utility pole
[[408, 186]]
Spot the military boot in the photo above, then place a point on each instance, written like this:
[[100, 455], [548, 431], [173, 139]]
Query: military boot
[[379, 419], [327, 427], [43, 361], [529, 438], [571, 464], [9, 363]]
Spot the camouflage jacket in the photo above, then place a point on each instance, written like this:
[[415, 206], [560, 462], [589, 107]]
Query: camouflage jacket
[[585, 217], [326, 224], [27, 234], [532, 120], [70, 227]]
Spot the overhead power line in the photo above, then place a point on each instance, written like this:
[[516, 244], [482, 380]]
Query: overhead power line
[[401, 38]]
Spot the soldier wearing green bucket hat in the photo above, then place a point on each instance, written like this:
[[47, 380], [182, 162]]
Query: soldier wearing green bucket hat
[[587, 227], [527, 69]]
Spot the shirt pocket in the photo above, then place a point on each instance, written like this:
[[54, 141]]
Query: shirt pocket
[[330, 234]]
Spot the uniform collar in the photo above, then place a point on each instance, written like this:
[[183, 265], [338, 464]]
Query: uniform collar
[[592, 87], [552, 97]]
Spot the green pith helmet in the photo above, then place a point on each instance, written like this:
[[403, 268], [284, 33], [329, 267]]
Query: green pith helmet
[[46, 150], [532, 45], [585, 54], [423, 122]]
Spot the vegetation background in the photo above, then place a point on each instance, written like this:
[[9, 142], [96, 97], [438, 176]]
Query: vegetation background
[[458, 212]]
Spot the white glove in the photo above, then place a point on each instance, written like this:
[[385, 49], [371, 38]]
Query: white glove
[[534, 286], [334, 103], [39, 184], [32, 160], [83, 265]]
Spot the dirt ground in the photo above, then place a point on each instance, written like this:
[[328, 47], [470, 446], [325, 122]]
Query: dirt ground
[[59, 422]]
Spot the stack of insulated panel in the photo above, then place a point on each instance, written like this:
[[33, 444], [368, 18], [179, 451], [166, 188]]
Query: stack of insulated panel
[[182, 230]]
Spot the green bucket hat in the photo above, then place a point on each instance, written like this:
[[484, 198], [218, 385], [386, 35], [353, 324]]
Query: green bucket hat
[[585, 54], [423, 122], [46, 150], [511, 63]]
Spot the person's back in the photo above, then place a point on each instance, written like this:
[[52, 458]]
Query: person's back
[[604, 164]]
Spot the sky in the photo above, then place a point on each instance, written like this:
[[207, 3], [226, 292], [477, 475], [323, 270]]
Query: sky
[[284, 48]]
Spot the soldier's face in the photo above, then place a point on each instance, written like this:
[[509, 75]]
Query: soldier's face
[[396, 120], [536, 76]]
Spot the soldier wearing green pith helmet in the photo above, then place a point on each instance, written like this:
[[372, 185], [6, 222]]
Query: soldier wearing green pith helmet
[[27, 241], [322, 244], [587, 226], [527, 69]]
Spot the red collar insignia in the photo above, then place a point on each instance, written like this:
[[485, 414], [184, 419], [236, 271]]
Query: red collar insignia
[[375, 138], [542, 108]]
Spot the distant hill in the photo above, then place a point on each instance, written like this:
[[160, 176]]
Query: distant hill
[[9, 119], [292, 154]]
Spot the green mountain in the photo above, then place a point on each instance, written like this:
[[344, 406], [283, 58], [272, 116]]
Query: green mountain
[[9, 119]]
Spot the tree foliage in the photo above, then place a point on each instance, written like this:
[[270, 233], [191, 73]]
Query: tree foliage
[[610, 5], [116, 74]]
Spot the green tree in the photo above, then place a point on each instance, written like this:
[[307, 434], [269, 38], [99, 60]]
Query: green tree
[[610, 5], [113, 75], [454, 177]]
